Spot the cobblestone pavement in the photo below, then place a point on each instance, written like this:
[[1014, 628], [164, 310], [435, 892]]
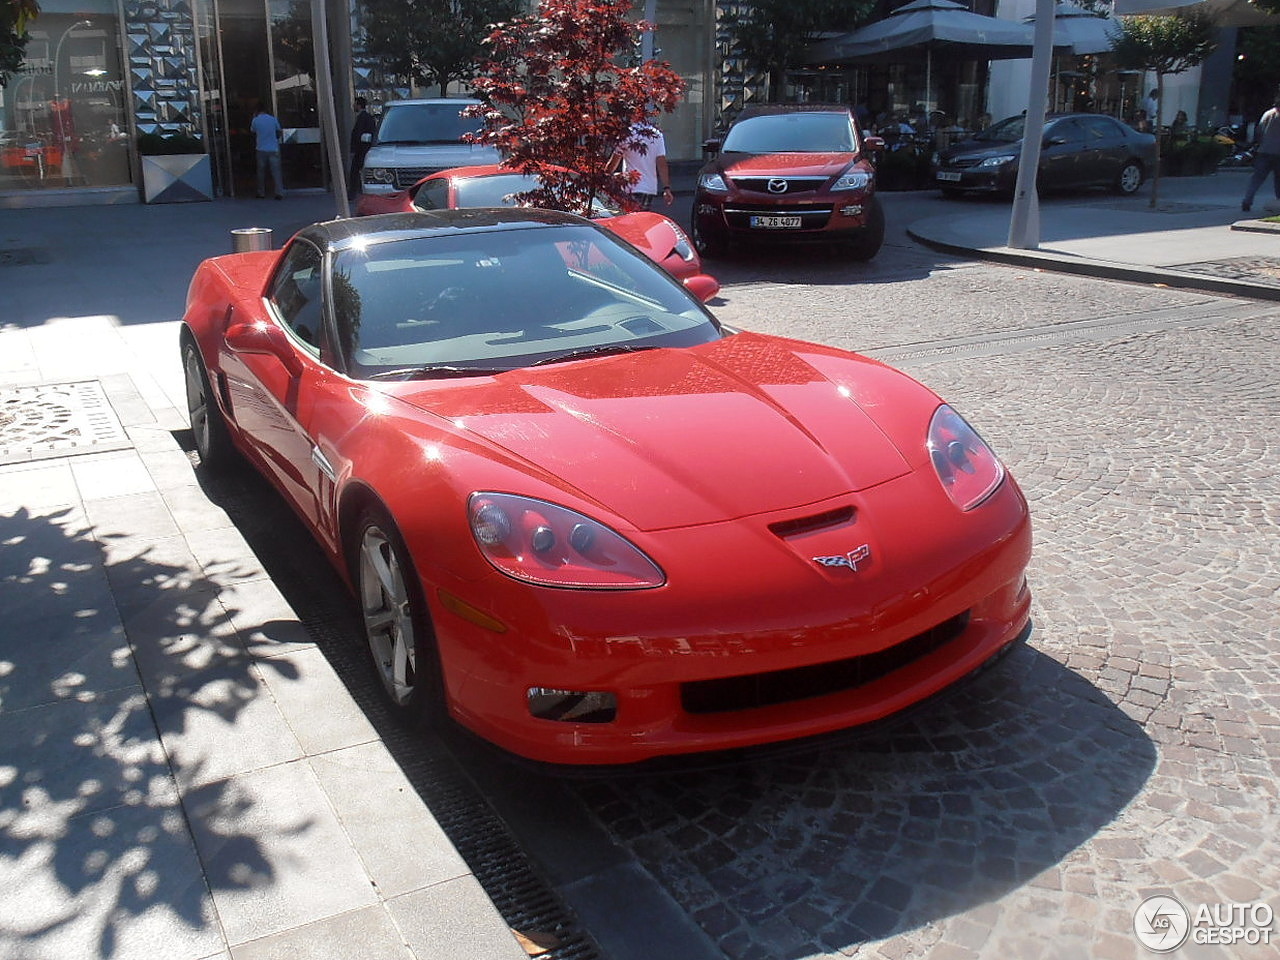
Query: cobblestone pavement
[[1131, 748]]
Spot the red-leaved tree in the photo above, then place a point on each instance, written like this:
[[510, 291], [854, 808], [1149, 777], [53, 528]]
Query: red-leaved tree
[[559, 97]]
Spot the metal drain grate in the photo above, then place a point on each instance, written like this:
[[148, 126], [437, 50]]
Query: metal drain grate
[[57, 420]]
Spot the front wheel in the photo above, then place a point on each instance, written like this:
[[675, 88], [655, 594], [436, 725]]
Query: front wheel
[[866, 244], [208, 427], [396, 624], [1129, 179]]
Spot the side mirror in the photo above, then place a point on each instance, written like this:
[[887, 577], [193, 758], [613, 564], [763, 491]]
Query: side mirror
[[702, 285], [264, 339], [711, 148], [873, 144]]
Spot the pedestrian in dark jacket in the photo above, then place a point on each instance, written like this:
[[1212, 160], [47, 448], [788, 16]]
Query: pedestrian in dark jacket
[[362, 131]]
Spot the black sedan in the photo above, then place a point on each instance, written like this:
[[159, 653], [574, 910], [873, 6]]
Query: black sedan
[[1079, 150]]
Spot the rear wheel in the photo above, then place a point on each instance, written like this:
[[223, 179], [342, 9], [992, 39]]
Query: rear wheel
[[1129, 179], [396, 624], [208, 427], [866, 244]]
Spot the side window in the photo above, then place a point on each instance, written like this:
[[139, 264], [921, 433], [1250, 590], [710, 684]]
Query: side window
[[1100, 128], [433, 195], [296, 293], [1068, 130]]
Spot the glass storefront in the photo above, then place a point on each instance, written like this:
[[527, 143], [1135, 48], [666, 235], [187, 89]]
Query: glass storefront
[[63, 116]]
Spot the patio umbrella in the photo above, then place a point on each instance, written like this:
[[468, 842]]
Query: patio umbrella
[[1080, 29], [932, 26]]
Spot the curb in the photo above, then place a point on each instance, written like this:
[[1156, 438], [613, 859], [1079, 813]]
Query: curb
[[1107, 270]]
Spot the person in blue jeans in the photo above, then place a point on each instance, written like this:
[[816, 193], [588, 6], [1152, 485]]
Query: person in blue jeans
[[267, 133], [1266, 160]]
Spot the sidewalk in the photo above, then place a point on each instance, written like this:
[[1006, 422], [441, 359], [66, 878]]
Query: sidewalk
[[1197, 237], [182, 774], [181, 771]]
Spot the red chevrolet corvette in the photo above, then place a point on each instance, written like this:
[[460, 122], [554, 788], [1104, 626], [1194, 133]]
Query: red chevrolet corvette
[[658, 237], [579, 515]]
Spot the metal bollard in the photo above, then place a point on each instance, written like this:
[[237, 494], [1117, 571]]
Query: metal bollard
[[247, 239]]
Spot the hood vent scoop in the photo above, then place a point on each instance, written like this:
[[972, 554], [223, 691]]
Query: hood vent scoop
[[818, 521]]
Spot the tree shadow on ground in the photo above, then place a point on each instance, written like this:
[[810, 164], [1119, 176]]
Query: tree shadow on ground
[[97, 856]]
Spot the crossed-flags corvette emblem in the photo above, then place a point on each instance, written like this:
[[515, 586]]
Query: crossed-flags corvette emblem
[[857, 555]]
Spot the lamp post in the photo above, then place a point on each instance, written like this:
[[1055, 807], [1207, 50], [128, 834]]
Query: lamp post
[[68, 170]]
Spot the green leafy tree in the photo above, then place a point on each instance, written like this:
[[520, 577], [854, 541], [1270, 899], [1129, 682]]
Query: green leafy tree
[[1163, 46], [431, 41], [773, 34], [1257, 69], [563, 91], [14, 17]]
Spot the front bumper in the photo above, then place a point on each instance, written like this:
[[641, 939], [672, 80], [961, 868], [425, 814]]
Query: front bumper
[[731, 654], [827, 218]]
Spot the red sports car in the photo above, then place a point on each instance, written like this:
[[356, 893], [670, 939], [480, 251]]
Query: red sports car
[[579, 515], [658, 237]]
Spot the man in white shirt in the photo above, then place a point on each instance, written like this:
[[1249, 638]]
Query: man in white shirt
[[645, 154]]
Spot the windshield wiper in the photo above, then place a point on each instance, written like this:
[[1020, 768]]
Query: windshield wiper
[[602, 350], [430, 372]]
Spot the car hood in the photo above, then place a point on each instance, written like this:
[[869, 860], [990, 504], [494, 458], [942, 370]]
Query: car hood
[[982, 148], [438, 155], [676, 437], [783, 164]]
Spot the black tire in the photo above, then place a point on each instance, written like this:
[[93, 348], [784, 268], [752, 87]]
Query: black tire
[[397, 626], [707, 247], [1129, 179], [208, 427], [871, 237]]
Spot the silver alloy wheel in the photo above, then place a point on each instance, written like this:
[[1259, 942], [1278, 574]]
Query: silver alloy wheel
[[197, 401], [1130, 178], [388, 616]]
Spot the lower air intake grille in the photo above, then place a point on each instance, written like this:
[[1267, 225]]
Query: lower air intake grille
[[783, 686]]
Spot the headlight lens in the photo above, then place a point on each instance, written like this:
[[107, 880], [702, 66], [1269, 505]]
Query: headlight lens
[[970, 472], [713, 182], [682, 247], [540, 542], [378, 175], [997, 161], [853, 180]]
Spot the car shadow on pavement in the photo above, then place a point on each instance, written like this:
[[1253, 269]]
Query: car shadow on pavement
[[98, 845], [866, 837], [779, 852]]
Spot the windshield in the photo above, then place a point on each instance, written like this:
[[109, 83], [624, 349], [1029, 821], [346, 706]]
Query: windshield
[[494, 300], [1008, 130], [499, 190], [792, 133], [426, 123]]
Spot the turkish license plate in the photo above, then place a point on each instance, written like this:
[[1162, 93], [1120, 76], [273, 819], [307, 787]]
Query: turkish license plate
[[951, 176], [776, 223]]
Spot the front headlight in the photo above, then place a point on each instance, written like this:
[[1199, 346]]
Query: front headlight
[[852, 180], [378, 175], [540, 542], [997, 161], [682, 247], [712, 182], [970, 472]]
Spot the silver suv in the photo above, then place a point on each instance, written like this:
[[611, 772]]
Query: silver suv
[[418, 137]]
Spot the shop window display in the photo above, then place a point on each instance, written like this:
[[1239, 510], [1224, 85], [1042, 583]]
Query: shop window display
[[62, 115]]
